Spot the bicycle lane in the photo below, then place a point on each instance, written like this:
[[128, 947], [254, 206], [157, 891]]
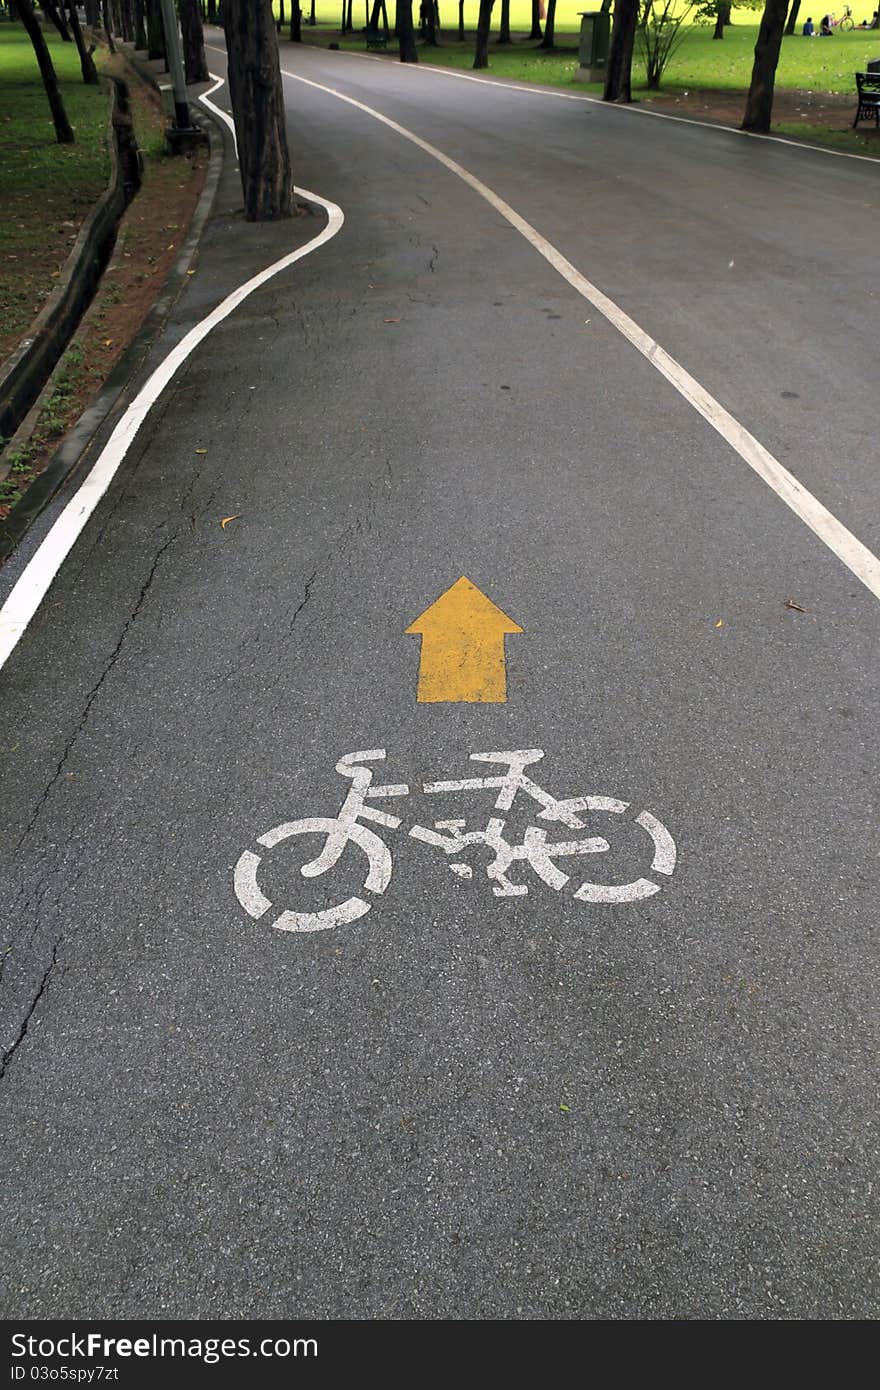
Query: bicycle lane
[[458, 1103]]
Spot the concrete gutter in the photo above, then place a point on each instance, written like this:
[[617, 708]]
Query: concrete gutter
[[115, 391], [24, 374]]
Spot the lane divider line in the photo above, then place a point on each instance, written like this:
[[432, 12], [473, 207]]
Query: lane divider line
[[847, 547], [32, 585]]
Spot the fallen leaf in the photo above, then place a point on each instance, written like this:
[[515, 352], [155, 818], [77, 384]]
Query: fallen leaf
[[226, 520], [201, 451], [720, 622], [108, 342], [566, 1108], [190, 272], [790, 603], [391, 320]]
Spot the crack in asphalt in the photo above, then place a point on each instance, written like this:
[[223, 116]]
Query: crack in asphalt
[[308, 594], [9, 1052], [93, 694]]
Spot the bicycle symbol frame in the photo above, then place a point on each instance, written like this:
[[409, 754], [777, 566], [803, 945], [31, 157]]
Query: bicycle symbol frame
[[450, 837]]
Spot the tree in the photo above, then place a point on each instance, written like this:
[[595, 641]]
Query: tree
[[295, 22], [759, 102], [86, 63], [257, 98], [195, 62], [108, 25], [717, 12], [56, 18], [549, 39], [63, 129], [792, 16], [504, 22], [378, 11], [155, 31], [618, 69], [461, 21], [484, 24], [406, 32], [659, 33], [140, 26], [93, 14], [536, 20]]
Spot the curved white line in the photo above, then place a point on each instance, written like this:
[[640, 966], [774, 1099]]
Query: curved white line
[[533, 89], [847, 547], [37, 576]]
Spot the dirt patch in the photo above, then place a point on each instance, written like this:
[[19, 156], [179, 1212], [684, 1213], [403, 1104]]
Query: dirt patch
[[821, 111], [149, 239]]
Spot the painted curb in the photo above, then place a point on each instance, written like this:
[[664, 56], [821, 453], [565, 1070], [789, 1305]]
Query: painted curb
[[113, 395]]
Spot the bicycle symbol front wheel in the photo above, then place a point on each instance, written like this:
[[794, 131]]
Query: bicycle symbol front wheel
[[256, 904]]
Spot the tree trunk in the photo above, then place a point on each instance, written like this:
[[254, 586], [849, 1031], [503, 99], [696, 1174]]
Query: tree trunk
[[56, 18], [431, 26], [406, 32], [155, 32], [618, 71], [549, 39], [313, 21], [349, 21], [461, 21], [93, 14], [536, 20], [792, 16], [212, 11], [108, 25], [504, 22], [258, 107], [295, 22], [140, 26], [484, 24], [722, 17], [195, 62], [63, 131], [86, 63], [759, 102]]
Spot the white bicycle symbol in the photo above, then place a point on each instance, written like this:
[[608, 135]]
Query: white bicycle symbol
[[450, 837]]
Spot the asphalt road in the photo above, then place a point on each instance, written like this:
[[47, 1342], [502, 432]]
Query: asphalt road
[[460, 1104]]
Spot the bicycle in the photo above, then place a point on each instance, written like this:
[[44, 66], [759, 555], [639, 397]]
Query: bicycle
[[846, 23], [451, 838]]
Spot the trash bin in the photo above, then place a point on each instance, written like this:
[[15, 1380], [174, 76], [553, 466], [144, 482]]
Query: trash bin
[[874, 65], [593, 50]]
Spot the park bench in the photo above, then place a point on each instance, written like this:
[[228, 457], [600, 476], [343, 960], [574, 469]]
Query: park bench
[[377, 40], [868, 84]]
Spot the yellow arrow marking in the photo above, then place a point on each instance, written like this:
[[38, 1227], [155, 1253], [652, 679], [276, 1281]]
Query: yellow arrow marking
[[463, 647]]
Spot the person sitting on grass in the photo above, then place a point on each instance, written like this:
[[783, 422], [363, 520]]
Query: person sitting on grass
[[809, 29], [825, 30]]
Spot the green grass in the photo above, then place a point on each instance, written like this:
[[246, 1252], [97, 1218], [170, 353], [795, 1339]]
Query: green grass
[[701, 61], [46, 189]]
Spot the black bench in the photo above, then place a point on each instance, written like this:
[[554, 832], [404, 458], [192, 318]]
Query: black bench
[[377, 39], [868, 84]]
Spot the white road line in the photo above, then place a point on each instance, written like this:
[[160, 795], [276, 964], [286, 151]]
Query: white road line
[[531, 90], [34, 581], [847, 547]]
